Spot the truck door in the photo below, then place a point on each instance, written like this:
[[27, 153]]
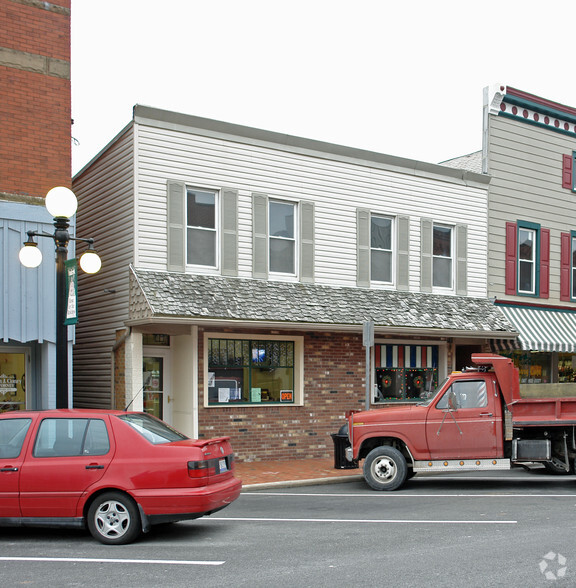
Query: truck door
[[465, 422]]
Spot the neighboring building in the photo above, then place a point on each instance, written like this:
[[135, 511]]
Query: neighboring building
[[35, 148], [239, 267], [529, 148]]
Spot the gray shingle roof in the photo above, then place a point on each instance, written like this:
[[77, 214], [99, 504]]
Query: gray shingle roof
[[471, 162], [162, 294]]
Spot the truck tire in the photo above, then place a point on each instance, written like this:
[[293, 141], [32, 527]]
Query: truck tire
[[385, 468]]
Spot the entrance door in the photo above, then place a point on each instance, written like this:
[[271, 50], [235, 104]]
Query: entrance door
[[13, 379], [156, 371]]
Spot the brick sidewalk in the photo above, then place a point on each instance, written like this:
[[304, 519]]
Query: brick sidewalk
[[292, 472]]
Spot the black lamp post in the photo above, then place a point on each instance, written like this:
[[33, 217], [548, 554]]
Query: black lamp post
[[61, 204]]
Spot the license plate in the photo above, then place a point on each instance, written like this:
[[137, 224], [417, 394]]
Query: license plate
[[223, 466]]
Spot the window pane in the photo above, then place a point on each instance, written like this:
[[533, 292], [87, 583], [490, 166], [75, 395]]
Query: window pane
[[282, 256], [201, 209], [442, 270], [573, 268], [267, 376], [526, 244], [381, 233], [281, 220], [201, 247], [442, 244], [525, 281], [381, 266], [12, 435]]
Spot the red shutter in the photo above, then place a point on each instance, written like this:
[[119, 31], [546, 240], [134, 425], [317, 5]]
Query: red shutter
[[565, 266], [544, 263], [511, 248], [567, 181]]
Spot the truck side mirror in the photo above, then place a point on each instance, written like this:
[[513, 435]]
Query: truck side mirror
[[452, 400]]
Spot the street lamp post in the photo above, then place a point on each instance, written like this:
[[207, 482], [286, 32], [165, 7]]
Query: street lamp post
[[61, 204]]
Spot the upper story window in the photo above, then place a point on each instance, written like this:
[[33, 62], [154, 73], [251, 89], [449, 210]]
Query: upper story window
[[527, 259], [282, 237], [568, 266], [381, 249], [573, 259], [442, 257], [201, 227]]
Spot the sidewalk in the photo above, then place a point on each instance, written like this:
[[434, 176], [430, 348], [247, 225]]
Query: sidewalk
[[257, 475]]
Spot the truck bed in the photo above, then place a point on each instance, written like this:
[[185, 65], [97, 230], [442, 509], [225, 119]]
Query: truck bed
[[543, 411]]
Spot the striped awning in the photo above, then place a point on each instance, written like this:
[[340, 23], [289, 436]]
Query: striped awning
[[543, 329]]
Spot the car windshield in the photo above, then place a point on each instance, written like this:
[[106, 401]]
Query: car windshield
[[429, 396], [152, 429]]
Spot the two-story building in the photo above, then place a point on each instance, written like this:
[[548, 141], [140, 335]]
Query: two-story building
[[529, 148], [240, 265]]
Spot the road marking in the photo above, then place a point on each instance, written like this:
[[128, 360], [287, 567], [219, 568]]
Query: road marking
[[398, 495], [379, 521], [171, 562]]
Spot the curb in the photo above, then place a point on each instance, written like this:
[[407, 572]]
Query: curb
[[297, 483]]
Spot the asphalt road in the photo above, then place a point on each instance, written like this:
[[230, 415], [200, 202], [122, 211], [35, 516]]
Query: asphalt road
[[508, 529]]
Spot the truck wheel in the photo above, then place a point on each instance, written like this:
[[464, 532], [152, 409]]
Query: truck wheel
[[385, 468]]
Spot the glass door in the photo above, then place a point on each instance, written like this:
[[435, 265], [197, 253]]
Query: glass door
[[156, 390], [12, 380]]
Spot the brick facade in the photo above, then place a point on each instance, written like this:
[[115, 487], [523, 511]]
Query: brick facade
[[35, 99], [334, 376]]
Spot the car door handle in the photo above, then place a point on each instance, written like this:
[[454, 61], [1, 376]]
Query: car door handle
[[488, 414], [94, 466], [9, 469]]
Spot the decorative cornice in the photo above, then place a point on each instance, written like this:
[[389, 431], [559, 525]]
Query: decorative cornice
[[524, 107]]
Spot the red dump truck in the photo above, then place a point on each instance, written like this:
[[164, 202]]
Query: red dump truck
[[476, 420]]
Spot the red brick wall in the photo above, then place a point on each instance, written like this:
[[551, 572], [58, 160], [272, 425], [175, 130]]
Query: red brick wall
[[334, 372], [35, 101]]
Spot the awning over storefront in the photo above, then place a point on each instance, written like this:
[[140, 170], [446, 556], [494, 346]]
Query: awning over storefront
[[540, 329]]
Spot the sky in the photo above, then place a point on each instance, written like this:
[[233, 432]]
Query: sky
[[401, 77]]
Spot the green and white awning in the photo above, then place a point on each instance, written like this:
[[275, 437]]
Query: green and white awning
[[541, 329]]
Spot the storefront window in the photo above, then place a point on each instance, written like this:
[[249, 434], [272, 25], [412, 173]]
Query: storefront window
[[12, 381], [250, 371], [405, 372], [566, 367], [536, 368]]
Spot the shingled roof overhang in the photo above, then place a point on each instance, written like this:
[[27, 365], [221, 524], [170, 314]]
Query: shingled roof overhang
[[173, 298]]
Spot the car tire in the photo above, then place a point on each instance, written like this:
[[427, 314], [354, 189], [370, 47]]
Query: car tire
[[385, 468], [113, 519]]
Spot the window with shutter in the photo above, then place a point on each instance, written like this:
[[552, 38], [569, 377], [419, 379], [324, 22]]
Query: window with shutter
[[567, 266], [527, 259], [568, 170]]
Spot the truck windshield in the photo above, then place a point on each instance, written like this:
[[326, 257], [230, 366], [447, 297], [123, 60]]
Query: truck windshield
[[428, 397]]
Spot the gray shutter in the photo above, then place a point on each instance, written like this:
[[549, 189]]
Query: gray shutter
[[403, 255], [461, 260], [307, 241], [426, 255], [229, 259], [260, 235], [176, 203], [363, 248]]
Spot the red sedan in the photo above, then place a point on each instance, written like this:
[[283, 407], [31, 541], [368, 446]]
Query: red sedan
[[115, 472]]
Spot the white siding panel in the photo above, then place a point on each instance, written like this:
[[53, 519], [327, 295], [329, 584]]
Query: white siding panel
[[337, 188]]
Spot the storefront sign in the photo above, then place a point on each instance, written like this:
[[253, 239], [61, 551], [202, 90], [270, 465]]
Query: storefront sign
[[286, 395]]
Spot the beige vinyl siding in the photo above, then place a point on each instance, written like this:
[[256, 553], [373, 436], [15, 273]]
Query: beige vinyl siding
[[108, 217], [337, 188], [526, 167]]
